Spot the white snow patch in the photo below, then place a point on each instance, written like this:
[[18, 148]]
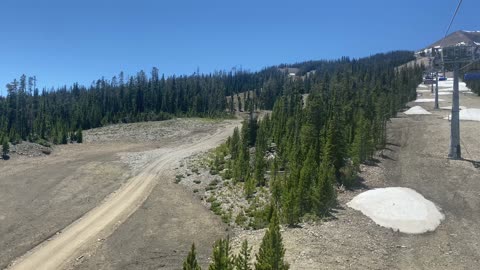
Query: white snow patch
[[468, 115], [399, 208], [417, 110], [448, 85], [450, 108], [444, 93], [420, 100]]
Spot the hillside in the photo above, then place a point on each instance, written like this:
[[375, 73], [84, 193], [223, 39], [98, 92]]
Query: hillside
[[458, 37]]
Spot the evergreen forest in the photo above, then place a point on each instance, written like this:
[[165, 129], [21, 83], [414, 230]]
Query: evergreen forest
[[309, 145]]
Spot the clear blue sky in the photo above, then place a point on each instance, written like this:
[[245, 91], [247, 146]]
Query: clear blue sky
[[62, 42]]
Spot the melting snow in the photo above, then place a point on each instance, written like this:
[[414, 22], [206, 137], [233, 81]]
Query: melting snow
[[401, 209], [417, 110], [450, 108], [427, 100], [468, 114], [448, 85]]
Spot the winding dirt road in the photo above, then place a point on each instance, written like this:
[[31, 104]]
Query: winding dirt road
[[100, 222]]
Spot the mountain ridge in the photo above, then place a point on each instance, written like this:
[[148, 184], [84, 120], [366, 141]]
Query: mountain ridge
[[458, 37]]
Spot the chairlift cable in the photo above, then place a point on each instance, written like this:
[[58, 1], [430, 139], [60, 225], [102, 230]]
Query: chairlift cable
[[474, 62], [448, 29], [451, 21]]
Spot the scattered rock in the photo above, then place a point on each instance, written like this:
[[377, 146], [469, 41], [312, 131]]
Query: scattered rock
[[30, 149]]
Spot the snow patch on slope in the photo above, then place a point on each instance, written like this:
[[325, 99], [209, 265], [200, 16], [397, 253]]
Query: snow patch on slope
[[417, 110], [450, 108], [468, 115], [402, 209], [422, 100]]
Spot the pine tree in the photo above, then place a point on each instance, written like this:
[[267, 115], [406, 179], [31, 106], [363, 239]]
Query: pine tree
[[324, 195], [249, 187], [271, 253], [239, 101], [290, 206], [5, 149], [191, 262], [355, 150], [275, 184], [260, 148], [221, 258], [235, 143], [79, 136], [251, 130], [241, 170], [308, 175], [242, 261], [334, 148], [63, 136]]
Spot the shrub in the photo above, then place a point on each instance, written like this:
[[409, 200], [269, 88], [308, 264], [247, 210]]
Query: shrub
[[178, 178]]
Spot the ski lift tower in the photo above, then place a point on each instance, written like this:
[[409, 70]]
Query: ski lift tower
[[452, 58]]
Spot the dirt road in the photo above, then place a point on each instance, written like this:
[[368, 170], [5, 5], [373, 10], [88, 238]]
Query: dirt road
[[41, 196], [103, 219]]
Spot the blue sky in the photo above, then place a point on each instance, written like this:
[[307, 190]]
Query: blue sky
[[62, 42]]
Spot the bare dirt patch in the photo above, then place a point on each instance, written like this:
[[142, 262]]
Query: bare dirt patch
[[40, 196], [28, 149], [159, 233]]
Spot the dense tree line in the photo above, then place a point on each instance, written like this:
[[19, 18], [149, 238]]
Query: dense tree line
[[58, 115], [320, 141]]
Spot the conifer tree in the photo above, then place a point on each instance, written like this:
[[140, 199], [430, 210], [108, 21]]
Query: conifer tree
[[249, 187], [241, 171], [63, 137], [271, 253], [324, 194], [5, 149], [275, 184], [242, 260], [358, 151], [79, 136], [290, 206], [221, 258], [234, 143], [260, 148], [239, 101], [334, 148], [308, 176], [355, 150], [191, 262]]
